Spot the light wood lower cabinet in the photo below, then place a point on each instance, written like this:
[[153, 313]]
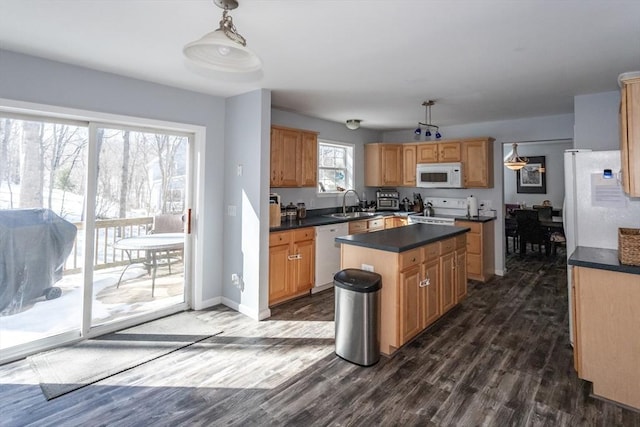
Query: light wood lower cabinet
[[366, 225], [291, 264], [395, 221], [418, 286], [606, 338], [480, 249]]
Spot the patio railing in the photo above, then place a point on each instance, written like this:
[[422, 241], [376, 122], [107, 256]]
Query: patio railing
[[108, 232]]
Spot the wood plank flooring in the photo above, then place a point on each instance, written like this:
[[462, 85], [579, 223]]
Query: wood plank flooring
[[501, 358]]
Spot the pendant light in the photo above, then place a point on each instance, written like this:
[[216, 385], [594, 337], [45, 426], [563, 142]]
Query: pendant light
[[223, 49], [427, 122], [513, 161]]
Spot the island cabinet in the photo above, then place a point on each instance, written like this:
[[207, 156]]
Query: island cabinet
[[439, 152], [480, 252], [419, 285], [294, 157], [477, 163], [383, 165], [630, 135], [606, 339], [291, 264]]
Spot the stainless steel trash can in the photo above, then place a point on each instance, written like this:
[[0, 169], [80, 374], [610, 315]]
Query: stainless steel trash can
[[357, 315]]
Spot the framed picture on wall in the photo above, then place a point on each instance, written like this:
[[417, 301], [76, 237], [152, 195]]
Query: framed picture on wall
[[531, 178]]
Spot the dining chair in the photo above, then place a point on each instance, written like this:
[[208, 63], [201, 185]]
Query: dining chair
[[168, 223], [530, 230], [544, 212]]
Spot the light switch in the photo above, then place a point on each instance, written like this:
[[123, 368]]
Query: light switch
[[231, 210], [239, 170]]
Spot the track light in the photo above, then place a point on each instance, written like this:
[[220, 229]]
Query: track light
[[427, 122]]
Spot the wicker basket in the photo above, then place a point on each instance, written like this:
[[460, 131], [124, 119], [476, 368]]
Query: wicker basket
[[629, 246]]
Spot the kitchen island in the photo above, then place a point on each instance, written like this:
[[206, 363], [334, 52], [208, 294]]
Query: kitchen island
[[423, 269]]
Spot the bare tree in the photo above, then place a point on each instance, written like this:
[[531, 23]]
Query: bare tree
[[124, 175], [31, 179]]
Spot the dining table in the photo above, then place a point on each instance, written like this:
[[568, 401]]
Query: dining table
[[152, 244]]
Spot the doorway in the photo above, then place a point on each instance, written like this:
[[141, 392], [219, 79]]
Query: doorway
[[73, 194]]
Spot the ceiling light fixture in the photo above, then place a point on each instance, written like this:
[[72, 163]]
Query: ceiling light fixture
[[223, 49], [353, 124], [427, 121], [513, 161]]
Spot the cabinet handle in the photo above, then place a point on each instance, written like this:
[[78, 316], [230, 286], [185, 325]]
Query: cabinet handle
[[292, 257], [426, 282]]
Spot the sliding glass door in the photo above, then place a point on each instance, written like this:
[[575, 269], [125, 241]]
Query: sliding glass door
[[92, 228]]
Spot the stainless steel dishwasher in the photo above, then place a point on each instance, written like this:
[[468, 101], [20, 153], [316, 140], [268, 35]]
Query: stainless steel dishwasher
[[327, 254]]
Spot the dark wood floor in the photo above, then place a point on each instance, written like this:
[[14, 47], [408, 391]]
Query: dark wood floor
[[501, 358]]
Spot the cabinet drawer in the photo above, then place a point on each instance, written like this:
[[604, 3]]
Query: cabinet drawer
[[303, 234], [474, 243], [376, 224], [409, 258], [431, 252], [279, 238], [356, 227], [461, 241], [447, 246]]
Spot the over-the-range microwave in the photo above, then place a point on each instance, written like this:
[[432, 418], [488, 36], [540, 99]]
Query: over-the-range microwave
[[439, 175]]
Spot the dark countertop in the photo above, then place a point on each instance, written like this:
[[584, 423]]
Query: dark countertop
[[401, 239], [601, 259], [314, 220]]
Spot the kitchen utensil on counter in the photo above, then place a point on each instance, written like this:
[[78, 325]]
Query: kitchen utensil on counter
[[418, 204], [472, 206], [301, 211], [406, 205], [274, 215], [291, 212]]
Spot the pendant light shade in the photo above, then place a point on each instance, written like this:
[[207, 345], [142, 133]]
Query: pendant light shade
[[513, 161], [427, 122], [223, 49], [353, 124]]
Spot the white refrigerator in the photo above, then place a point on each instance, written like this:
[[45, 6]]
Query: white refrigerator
[[595, 205]]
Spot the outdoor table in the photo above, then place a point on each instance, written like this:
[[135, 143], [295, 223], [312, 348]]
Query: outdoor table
[[152, 244]]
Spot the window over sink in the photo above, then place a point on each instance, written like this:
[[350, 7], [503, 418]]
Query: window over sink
[[335, 167]]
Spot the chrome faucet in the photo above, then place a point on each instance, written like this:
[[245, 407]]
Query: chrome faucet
[[344, 200]]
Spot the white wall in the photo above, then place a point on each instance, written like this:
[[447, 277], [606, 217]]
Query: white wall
[[331, 131], [596, 121], [246, 235], [532, 129], [31, 79], [554, 174]]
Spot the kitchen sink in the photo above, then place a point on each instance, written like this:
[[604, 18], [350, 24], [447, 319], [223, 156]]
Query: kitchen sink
[[349, 215]]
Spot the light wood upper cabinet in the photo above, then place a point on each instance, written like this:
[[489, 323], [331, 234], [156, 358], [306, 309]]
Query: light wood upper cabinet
[[409, 153], [630, 135], [383, 165], [477, 163], [294, 157], [439, 152]]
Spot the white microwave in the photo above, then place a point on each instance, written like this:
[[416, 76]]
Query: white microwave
[[439, 175]]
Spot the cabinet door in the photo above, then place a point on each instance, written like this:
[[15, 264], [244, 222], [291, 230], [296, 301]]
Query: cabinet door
[[630, 136], [409, 312], [427, 153], [309, 160], [430, 293], [449, 152], [279, 273], [477, 157], [392, 164], [304, 272], [409, 152], [461, 274], [291, 173], [356, 227], [447, 279], [276, 158]]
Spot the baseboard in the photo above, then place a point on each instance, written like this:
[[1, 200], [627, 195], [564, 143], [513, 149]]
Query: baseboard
[[321, 288], [201, 305], [500, 273], [240, 308]]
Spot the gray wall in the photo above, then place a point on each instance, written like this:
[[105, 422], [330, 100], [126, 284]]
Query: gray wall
[[31, 79], [246, 235], [596, 121], [505, 131], [554, 174], [331, 131]]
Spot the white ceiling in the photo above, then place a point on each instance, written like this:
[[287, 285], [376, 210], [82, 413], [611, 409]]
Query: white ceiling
[[375, 60]]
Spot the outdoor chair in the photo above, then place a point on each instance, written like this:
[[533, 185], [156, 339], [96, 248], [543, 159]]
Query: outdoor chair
[[168, 223]]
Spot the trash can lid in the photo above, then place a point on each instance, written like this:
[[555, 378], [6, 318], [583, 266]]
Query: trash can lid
[[357, 280]]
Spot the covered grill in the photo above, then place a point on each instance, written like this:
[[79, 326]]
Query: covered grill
[[34, 244]]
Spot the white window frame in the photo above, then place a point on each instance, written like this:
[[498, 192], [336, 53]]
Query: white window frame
[[349, 169]]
